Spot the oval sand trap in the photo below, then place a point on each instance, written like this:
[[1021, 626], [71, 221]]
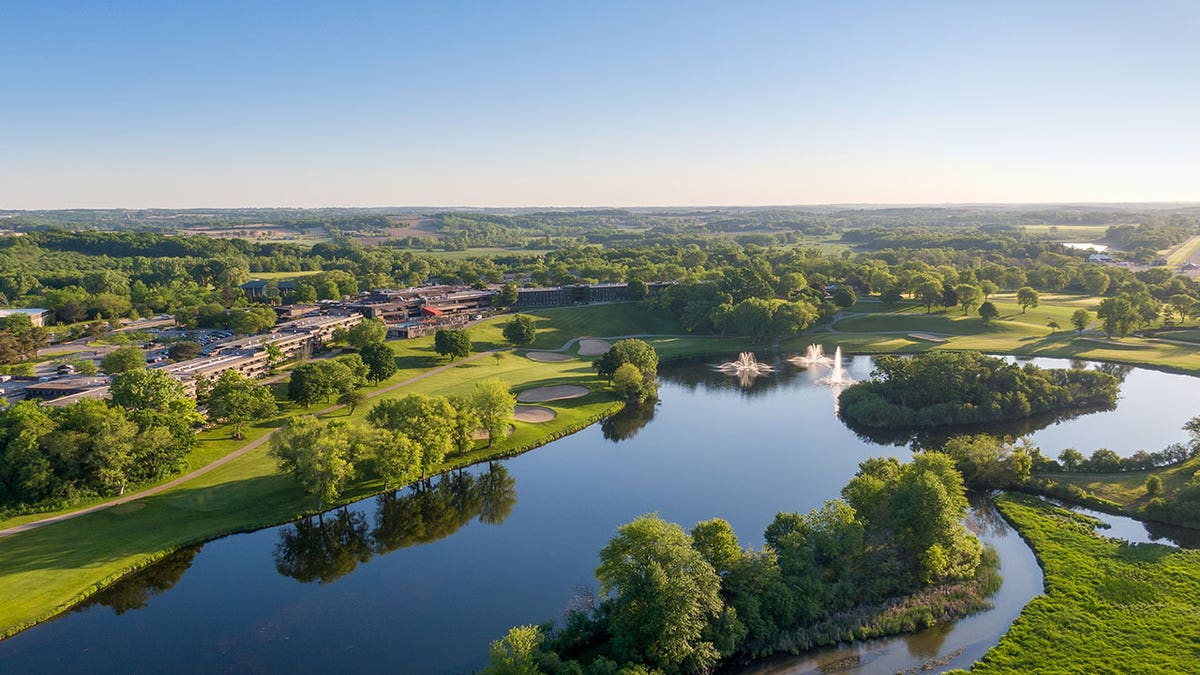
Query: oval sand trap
[[533, 413], [593, 347], [555, 393], [549, 357]]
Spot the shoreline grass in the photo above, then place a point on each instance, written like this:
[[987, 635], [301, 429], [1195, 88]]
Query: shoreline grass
[[1108, 605]]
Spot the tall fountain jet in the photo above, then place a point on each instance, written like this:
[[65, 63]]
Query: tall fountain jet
[[837, 376]]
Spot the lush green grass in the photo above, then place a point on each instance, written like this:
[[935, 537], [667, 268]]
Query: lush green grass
[[1128, 488], [1109, 607], [1188, 250], [878, 328], [1069, 233]]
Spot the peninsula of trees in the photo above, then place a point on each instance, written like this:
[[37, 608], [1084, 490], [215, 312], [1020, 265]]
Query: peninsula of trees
[[949, 388]]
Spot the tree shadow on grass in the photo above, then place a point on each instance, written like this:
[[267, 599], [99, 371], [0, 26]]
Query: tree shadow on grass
[[180, 517], [421, 362]]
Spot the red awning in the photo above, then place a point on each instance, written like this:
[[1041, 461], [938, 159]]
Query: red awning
[[432, 311]]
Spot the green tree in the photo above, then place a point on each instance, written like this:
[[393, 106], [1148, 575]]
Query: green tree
[[145, 390], [638, 290], [1070, 459], [495, 406], [123, 359], [237, 400], [428, 421], [466, 422], [351, 399], [1080, 319], [717, 544], [520, 331], [380, 360], [1154, 486], [182, 351], [988, 311], [664, 595], [316, 455], [844, 296], [453, 343], [634, 351], [1096, 281], [507, 297], [930, 293], [366, 332], [968, 296], [1027, 297], [1118, 316], [988, 288], [275, 357], [251, 320], [517, 653], [628, 380], [397, 458]]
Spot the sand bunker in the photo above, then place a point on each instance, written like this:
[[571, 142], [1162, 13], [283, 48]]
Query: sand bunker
[[556, 393], [533, 413], [549, 357], [593, 347], [927, 337]]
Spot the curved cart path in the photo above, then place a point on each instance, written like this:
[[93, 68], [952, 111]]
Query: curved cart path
[[24, 527]]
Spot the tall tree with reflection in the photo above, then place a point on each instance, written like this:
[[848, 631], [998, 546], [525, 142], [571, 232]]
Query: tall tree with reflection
[[318, 455], [628, 422], [323, 549]]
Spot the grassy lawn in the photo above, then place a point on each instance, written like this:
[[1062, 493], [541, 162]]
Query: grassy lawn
[[1109, 607], [1069, 233], [1187, 251], [879, 328], [1128, 488]]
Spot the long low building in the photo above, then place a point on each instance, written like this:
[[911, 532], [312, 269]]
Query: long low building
[[247, 356]]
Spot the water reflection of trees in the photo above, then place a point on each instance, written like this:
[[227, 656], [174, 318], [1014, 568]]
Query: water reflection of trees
[[927, 439], [327, 547], [135, 590], [627, 423]]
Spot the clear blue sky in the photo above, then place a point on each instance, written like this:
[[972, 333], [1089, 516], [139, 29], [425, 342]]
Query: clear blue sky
[[181, 104]]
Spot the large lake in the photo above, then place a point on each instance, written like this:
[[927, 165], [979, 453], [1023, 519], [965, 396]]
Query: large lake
[[423, 581]]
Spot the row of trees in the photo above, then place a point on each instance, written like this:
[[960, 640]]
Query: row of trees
[[679, 601], [407, 439]]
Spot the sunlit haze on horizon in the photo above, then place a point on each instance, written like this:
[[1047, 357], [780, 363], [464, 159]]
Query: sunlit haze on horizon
[[227, 104]]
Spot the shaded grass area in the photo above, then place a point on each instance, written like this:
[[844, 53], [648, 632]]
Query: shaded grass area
[[1109, 607]]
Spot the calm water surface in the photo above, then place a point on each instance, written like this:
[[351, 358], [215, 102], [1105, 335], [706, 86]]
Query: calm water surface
[[423, 580]]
